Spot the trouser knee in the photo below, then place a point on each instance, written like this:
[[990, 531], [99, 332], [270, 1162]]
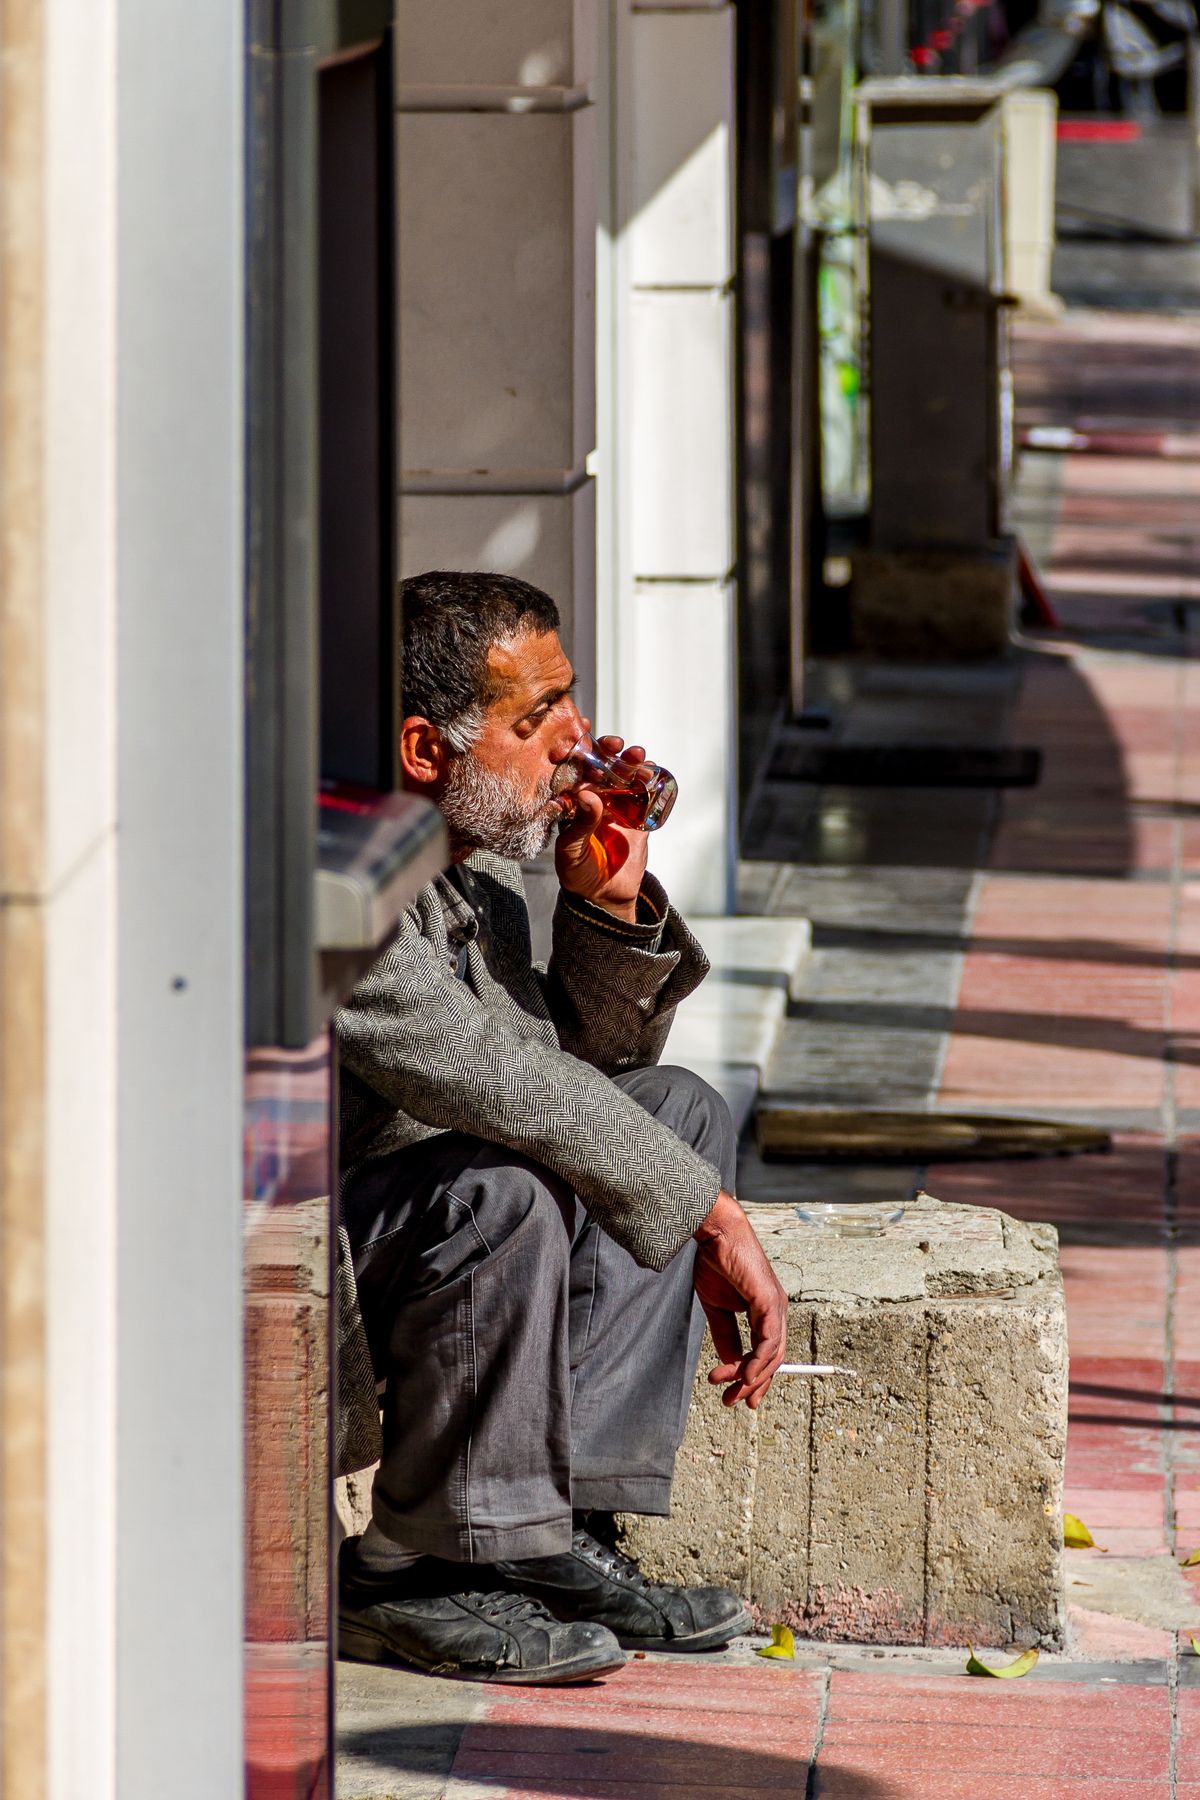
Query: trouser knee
[[693, 1109]]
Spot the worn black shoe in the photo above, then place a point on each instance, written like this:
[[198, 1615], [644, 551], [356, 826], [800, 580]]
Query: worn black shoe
[[593, 1581], [426, 1617]]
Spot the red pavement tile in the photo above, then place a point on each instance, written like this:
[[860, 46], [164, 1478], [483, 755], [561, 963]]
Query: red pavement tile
[[1101, 1637], [1187, 1176], [1116, 1300], [1024, 1749], [1069, 839], [1187, 1305], [1122, 1389], [1124, 1521], [1108, 1509], [598, 1789], [1079, 1022], [1187, 1758], [847, 1784], [1125, 1184], [652, 1729], [1187, 1508], [689, 1686], [965, 1700]]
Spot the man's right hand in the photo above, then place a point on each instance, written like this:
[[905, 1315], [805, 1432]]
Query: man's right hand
[[732, 1275]]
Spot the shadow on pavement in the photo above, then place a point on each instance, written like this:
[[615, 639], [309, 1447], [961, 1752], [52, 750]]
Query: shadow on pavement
[[1066, 949], [575, 1760], [1076, 820], [1057, 1030]]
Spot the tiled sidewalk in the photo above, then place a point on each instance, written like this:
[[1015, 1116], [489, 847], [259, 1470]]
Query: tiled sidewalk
[[1062, 978]]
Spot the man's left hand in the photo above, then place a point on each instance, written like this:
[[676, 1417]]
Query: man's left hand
[[594, 856]]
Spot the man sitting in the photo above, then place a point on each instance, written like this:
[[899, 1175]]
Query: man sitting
[[534, 1204]]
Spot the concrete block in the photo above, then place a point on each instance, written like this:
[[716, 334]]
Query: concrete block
[[493, 43], [497, 292], [933, 605], [681, 432], [988, 1361], [708, 1536], [920, 1503], [681, 224]]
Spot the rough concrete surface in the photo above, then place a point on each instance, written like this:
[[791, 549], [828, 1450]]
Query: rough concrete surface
[[920, 1503], [398, 1733], [1149, 1590]]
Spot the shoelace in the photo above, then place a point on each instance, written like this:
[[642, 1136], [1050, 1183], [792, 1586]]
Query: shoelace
[[610, 1562], [501, 1606]]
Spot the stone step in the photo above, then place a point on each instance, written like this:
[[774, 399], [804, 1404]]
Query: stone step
[[726, 1030]]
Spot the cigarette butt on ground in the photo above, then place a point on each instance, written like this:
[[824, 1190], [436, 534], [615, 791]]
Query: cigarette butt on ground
[[815, 1369]]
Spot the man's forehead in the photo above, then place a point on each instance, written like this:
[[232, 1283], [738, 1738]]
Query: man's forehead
[[524, 667]]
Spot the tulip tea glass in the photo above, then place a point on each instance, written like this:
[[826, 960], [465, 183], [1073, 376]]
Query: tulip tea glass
[[638, 796]]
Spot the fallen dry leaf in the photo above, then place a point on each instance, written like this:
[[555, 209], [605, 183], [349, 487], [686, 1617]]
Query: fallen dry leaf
[[1076, 1535], [1021, 1666], [1190, 1561], [782, 1644]]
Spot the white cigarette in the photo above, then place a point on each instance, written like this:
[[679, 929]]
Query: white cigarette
[[814, 1369]]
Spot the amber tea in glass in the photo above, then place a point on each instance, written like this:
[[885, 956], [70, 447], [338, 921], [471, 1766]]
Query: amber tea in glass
[[638, 796]]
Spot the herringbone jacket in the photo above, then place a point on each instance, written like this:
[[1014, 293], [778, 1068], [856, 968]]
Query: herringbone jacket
[[521, 1055]]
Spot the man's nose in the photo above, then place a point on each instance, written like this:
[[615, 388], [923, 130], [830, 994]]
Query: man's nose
[[574, 726]]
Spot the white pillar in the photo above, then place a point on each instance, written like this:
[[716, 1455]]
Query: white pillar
[[497, 295], [121, 303], [179, 566], [668, 667]]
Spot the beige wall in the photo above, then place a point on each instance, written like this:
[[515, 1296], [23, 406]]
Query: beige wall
[[23, 912], [497, 173]]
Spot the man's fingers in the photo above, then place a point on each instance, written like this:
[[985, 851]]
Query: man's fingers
[[768, 1338], [589, 810], [728, 1342]]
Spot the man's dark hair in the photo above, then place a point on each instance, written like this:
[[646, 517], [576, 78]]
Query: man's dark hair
[[450, 622]]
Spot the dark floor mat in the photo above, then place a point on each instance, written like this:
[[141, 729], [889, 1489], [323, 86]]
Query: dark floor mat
[[906, 765]]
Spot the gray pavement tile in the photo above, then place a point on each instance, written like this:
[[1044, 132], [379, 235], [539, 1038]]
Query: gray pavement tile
[[398, 1732], [756, 883], [1128, 278], [900, 897], [845, 1063], [852, 828], [1189, 1670]]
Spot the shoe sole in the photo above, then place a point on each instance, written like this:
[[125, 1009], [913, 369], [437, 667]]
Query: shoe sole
[[358, 1643], [715, 1638]]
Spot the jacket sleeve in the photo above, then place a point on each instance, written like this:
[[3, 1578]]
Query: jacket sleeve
[[612, 988], [424, 1042]]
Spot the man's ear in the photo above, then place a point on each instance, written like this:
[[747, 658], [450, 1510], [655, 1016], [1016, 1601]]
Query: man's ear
[[424, 756]]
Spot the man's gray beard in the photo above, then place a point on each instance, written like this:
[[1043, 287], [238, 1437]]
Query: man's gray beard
[[484, 811]]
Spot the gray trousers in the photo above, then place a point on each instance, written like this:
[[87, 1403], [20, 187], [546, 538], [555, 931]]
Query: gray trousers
[[530, 1365]]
